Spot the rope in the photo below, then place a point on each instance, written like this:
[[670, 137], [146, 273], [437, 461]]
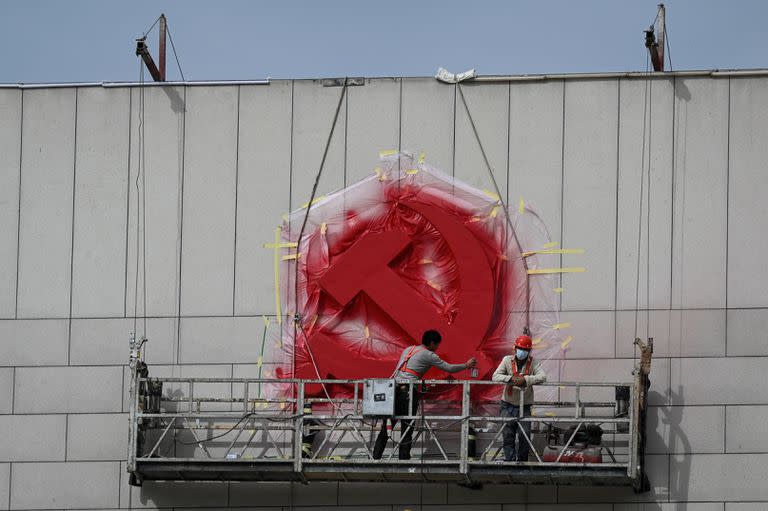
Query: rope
[[141, 215], [640, 210], [666, 42], [503, 204], [147, 31], [175, 55]]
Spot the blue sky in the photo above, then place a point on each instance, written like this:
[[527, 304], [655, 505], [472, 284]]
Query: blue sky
[[93, 40]]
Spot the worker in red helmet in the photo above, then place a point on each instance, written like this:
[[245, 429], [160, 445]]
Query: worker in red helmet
[[521, 372]]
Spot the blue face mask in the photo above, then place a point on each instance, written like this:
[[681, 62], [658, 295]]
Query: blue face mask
[[522, 354]]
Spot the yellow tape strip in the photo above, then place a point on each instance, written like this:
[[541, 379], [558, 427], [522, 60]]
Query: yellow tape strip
[[536, 341], [551, 244], [288, 257], [521, 206], [554, 251], [367, 332], [544, 271], [425, 261], [323, 228], [434, 286], [422, 157], [494, 212], [388, 152], [560, 326], [558, 290], [380, 174], [291, 244], [566, 342], [285, 217], [412, 172], [259, 361], [550, 414], [266, 321], [278, 308], [313, 202], [491, 194]]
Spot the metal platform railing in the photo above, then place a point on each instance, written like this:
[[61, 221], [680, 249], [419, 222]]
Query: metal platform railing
[[225, 429]]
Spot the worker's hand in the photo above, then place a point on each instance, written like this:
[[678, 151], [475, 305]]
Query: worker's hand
[[470, 363], [518, 381]]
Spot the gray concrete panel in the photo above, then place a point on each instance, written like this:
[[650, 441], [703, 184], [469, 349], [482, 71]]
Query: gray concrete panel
[[592, 333], [700, 184], [744, 506], [105, 341], [33, 437], [747, 188], [5, 485], [710, 381], [427, 121], [658, 474], [373, 118], [682, 430], [589, 196], [68, 389], [275, 494], [235, 339], [536, 150], [75, 485], [718, 478], [557, 507], [47, 176], [498, 494], [314, 107], [10, 148], [671, 506], [34, 342], [619, 370], [159, 495], [351, 494], [647, 153], [101, 436], [489, 106], [210, 167], [161, 176], [748, 332], [101, 193], [6, 390], [745, 429], [263, 190], [676, 333]]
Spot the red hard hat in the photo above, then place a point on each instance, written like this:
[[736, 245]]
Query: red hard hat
[[524, 342]]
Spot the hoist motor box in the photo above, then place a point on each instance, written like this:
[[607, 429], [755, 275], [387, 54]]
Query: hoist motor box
[[379, 398]]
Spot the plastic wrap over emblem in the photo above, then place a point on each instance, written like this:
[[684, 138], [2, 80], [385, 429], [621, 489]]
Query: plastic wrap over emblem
[[405, 250]]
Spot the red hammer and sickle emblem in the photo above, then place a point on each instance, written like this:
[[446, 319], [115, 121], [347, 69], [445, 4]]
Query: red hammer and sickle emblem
[[364, 268]]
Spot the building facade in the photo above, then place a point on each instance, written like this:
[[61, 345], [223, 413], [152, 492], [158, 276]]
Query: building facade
[[221, 164]]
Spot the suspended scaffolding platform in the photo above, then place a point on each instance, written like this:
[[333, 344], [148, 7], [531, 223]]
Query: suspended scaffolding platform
[[205, 429]]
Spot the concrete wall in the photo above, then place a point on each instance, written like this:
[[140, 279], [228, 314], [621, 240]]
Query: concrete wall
[[224, 163]]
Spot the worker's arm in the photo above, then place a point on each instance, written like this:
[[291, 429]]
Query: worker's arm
[[538, 375], [438, 362], [501, 374]]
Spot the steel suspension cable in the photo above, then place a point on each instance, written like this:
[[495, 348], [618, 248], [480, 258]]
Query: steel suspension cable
[[503, 202]]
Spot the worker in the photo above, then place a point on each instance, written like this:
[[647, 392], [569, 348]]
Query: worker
[[413, 363], [521, 372]]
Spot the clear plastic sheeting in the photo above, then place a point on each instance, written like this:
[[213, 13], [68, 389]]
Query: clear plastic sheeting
[[406, 249]]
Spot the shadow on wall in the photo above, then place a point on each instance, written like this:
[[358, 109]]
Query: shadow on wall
[[177, 102], [676, 441]]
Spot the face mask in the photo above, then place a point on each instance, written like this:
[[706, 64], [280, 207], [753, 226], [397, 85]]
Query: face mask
[[522, 354]]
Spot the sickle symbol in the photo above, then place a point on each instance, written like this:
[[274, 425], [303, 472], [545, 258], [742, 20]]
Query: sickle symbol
[[364, 268]]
